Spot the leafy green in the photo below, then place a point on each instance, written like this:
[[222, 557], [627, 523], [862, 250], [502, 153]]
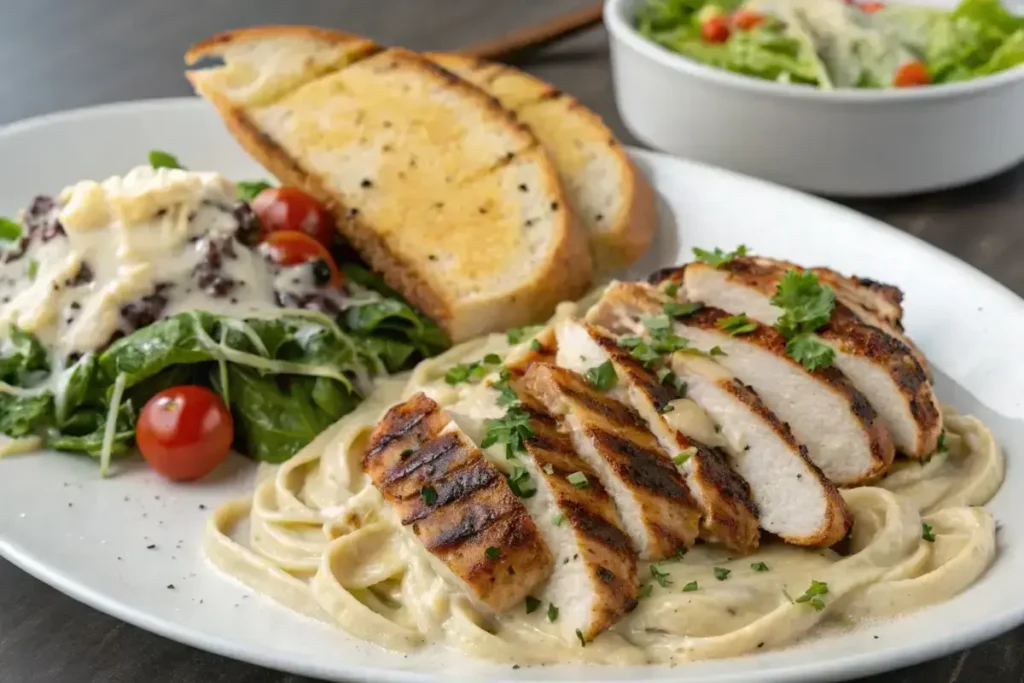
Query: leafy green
[[10, 230], [736, 325], [719, 258], [813, 593], [722, 574], [602, 377], [518, 335], [681, 310], [24, 416], [83, 432], [160, 159], [464, 372], [248, 189], [810, 351], [806, 305], [23, 359], [927, 533], [661, 577], [149, 350], [275, 416], [391, 318], [513, 429], [520, 483]]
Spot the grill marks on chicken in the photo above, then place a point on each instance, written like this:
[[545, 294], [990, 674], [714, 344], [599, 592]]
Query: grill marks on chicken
[[657, 509], [729, 515], [456, 503], [880, 366], [595, 578]]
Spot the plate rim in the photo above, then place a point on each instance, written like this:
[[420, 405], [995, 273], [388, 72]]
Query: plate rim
[[834, 669]]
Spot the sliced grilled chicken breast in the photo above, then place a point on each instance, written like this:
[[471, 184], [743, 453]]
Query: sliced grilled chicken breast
[[873, 303], [794, 499], [729, 514], [843, 433], [656, 507], [594, 582], [456, 503], [879, 366]]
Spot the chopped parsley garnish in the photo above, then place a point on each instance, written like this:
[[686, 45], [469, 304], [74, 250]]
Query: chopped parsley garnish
[[681, 458], [428, 495], [548, 468], [517, 334], [644, 354], [669, 378], [247, 190], [810, 351], [464, 372], [535, 345], [927, 533], [492, 553], [552, 612], [811, 595], [806, 305], [690, 587], [602, 377], [579, 480], [717, 351], [718, 258], [406, 453], [512, 430], [9, 230], [520, 483], [670, 288], [507, 396], [33, 268], [579, 635], [678, 309], [759, 567], [666, 409], [558, 519], [736, 325], [941, 446], [661, 577], [721, 573], [645, 591], [158, 159], [657, 323], [532, 604]]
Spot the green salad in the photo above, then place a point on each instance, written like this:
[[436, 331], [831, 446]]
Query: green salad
[[832, 44], [116, 292]]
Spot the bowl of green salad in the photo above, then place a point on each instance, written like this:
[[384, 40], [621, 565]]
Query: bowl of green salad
[[841, 97]]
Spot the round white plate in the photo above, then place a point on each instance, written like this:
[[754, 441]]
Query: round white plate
[[129, 545]]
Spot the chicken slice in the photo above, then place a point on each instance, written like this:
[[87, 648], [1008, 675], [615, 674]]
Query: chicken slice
[[729, 513], [842, 432], [594, 582], [656, 507], [880, 366], [456, 503], [795, 500]]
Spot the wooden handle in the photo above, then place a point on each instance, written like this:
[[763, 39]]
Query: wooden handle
[[538, 35]]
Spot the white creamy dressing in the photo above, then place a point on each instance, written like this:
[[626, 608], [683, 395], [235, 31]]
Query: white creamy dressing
[[849, 42], [146, 234], [324, 542]]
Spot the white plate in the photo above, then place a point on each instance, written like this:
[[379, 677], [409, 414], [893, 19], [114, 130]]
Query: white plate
[[90, 538]]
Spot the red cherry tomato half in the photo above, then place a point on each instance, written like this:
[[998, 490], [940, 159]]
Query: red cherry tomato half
[[289, 208], [291, 248], [184, 432], [715, 29], [912, 74], [746, 19], [870, 7]]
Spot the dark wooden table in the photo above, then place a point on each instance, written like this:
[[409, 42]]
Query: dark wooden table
[[59, 54]]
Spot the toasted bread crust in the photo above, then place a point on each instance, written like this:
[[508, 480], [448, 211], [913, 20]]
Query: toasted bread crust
[[217, 42], [563, 272], [633, 229]]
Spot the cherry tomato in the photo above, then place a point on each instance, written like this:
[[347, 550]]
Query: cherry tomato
[[184, 432], [870, 7], [291, 248], [289, 208], [912, 74], [715, 29], [746, 19]]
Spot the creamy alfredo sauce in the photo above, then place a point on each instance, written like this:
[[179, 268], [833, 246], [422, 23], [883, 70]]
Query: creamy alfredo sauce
[[323, 542], [105, 258]]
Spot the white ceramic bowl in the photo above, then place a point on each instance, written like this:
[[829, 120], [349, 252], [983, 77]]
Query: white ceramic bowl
[[850, 143]]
